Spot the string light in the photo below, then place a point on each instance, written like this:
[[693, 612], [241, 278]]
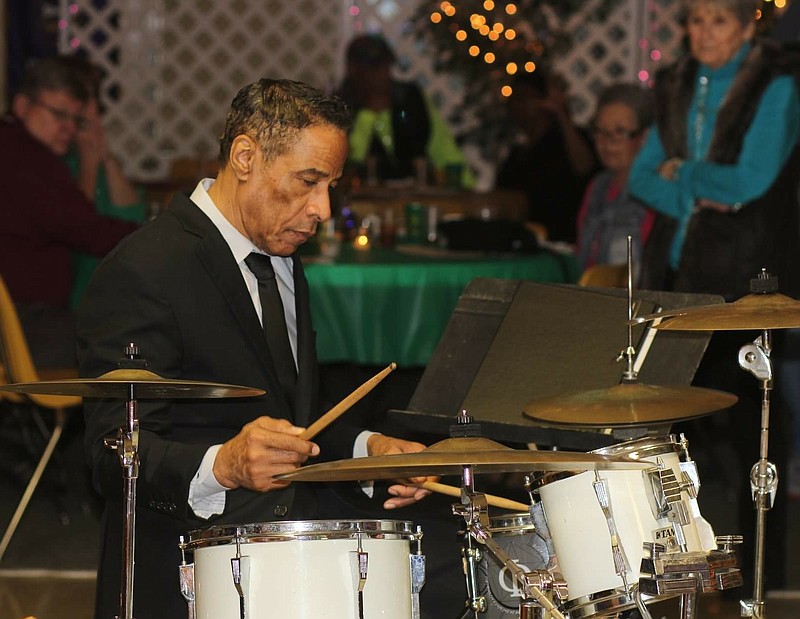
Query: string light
[[511, 68], [461, 35], [511, 8], [506, 91], [436, 18], [489, 57], [474, 50]]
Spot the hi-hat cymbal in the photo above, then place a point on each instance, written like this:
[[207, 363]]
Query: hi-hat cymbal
[[628, 405], [448, 457], [754, 311], [145, 385]]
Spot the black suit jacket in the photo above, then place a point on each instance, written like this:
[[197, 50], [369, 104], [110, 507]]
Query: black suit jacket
[[175, 290]]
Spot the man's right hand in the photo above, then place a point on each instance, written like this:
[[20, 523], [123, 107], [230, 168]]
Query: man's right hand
[[264, 448]]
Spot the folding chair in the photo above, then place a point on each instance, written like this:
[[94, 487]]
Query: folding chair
[[16, 366]]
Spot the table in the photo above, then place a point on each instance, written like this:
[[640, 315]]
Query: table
[[377, 306], [496, 204]]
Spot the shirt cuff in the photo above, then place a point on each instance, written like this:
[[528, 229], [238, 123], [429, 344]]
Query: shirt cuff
[[206, 494], [360, 451]]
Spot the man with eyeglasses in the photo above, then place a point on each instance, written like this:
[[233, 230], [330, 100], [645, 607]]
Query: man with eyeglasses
[[44, 215]]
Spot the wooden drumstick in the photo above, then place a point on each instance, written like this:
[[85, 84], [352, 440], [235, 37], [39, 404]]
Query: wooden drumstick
[[332, 415], [495, 501]]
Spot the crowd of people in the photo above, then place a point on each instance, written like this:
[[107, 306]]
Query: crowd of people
[[702, 174]]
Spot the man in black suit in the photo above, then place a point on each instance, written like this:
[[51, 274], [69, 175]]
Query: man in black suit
[[183, 291]]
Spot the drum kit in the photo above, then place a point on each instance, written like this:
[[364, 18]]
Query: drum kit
[[606, 532]]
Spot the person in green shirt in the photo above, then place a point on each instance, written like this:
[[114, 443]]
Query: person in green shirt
[[99, 175]]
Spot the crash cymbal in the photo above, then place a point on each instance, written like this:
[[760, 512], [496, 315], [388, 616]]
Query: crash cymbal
[[145, 384], [448, 457], [754, 311], [628, 405]]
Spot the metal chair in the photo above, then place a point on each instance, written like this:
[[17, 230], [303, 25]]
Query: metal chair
[[16, 366]]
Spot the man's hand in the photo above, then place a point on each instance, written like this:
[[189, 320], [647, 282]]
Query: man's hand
[[265, 447], [380, 445], [714, 206]]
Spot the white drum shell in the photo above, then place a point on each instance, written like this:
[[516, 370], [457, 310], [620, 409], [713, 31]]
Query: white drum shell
[[304, 579], [580, 534]]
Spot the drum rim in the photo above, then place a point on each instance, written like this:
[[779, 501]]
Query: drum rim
[[644, 447], [504, 524], [636, 449], [301, 530]]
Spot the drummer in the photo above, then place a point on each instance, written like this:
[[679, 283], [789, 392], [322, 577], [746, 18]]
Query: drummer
[[190, 291]]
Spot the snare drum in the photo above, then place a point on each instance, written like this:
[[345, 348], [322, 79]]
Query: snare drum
[[303, 569], [658, 505], [516, 535]]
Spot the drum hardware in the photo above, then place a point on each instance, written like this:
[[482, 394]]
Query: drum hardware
[[186, 577], [240, 571], [538, 588], [762, 310], [621, 565], [359, 565], [417, 566], [131, 382], [586, 521]]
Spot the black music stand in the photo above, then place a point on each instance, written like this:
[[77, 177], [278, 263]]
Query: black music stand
[[511, 341]]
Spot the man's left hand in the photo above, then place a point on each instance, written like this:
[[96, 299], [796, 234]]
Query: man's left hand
[[403, 494]]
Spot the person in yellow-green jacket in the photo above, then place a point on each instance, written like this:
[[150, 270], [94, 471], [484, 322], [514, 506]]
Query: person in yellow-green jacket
[[396, 125]]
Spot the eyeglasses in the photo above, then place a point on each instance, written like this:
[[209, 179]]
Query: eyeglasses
[[615, 135], [63, 116]]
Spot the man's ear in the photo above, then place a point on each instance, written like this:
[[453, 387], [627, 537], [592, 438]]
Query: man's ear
[[243, 157], [20, 104]]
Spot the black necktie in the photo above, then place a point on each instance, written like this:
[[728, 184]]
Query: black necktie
[[274, 322]]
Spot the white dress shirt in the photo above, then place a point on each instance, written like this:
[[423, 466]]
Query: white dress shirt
[[206, 494]]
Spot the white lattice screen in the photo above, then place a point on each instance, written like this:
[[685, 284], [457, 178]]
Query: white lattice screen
[[173, 66]]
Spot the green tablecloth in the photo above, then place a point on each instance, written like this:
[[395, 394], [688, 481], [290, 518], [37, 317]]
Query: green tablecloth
[[378, 306]]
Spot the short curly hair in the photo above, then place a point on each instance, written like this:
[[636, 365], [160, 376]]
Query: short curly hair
[[273, 112]]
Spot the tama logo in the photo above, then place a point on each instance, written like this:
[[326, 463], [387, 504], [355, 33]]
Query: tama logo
[[663, 534]]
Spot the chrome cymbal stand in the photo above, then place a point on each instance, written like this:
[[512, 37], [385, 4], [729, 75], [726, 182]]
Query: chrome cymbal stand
[[755, 358], [126, 444]]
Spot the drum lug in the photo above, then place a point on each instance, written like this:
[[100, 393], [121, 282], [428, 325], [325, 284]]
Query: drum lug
[[240, 570], [186, 577], [359, 565], [417, 568], [621, 565]]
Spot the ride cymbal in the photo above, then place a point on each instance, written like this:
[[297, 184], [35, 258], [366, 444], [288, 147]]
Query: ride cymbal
[[143, 384], [754, 311], [448, 457], [628, 404]]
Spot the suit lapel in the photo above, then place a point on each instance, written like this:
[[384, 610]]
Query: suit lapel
[[215, 255]]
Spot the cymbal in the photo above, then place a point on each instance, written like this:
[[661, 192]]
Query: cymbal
[[448, 457], [754, 311], [628, 404], [145, 384]]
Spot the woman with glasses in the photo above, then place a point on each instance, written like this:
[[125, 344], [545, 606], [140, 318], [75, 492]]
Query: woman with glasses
[[609, 214]]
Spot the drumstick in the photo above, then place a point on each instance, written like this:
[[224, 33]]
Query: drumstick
[[496, 501], [332, 415]]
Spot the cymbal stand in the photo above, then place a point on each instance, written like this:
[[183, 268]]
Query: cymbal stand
[[755, 358], [126, 444], [535, 603]]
